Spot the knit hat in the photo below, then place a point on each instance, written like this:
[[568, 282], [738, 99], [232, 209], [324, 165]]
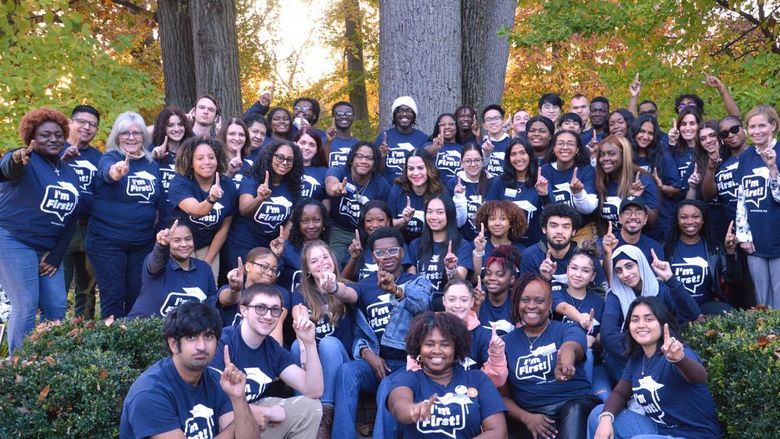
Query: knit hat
[[404, 100]]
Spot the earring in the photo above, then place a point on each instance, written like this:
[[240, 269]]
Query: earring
[[417, 359]]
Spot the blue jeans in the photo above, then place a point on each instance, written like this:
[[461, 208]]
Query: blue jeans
[[598, 376], [627, 425], [353, 377], [385, 424], [26, 290], [118, 270], [332, 355]]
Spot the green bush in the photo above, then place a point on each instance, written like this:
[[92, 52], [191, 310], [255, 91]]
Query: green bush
[[742, 356], [70, 379]]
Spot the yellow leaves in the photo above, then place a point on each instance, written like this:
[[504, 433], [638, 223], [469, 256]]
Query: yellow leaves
[[44, 393]]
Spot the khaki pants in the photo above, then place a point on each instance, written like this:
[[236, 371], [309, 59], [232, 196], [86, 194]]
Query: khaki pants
[[201, 254], [302, 418]]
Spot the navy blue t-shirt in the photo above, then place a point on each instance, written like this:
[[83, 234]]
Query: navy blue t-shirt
[[455, 414], [500, 316], [678, 407], [205, 227], [263, 226], [434, 269], [763, 212], [261, 365], [690, 266], [342, 330], [448, 160], [670, 176], [339, 151], [645, 244], [365, 266], [167, 166], [526, 198], [85, 166], [474, 200], [399, 144], [727, 182], [290, 267], [125, 211], [591, 301], [376, 305], [397, 203], [534, 255], [345, 211], [495, 164], [532, 368], [611, 205], [160, 401], [558, 182], [231, 314], [313, 182]]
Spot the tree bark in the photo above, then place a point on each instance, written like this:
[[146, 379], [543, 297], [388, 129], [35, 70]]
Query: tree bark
[[356, 72], [216, 53], [177, 56], [485, 53], [419, 56]]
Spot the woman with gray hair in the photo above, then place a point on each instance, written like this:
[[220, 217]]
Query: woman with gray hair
[[121, 228]]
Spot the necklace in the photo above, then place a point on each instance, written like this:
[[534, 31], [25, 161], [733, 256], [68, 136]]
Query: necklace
[[535, 339], [55, 167]]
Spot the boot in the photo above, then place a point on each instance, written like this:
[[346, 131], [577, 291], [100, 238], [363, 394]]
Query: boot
[[326, 423]]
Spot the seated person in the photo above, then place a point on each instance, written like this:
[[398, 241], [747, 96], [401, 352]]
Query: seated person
[[171, 275], [180, 394]]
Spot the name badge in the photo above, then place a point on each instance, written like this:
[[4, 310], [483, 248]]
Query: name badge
[[510, 193]]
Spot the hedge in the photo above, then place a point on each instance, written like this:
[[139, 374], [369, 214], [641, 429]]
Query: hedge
[[69, 379]]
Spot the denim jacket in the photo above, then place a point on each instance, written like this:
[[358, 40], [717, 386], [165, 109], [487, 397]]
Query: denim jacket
[[416, 300]]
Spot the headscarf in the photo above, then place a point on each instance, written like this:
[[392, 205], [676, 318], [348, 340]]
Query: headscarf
[[624, 293]]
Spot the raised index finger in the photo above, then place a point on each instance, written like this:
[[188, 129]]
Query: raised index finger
[[216, 178], [175, 224], [493, 330], [449, 247], [666, 332], [731, 227], [609, 228], [574, 174], [227, 357], [637, 175], [240, 266], [408, 201], [482, 229], [266, 178], [652, 253]]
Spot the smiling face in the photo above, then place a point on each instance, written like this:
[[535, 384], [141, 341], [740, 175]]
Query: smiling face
[[761, 129], [471, 161], [257, 132], [518, 158], [458, 300], [497, 278], [465, 119], [550, 111], [374, 219], [404, 117], [493, 123], [308, 148], [416, 171], [49, 139], [363, 162], [610, 158], [282, 161], [688, 128], [131, 139], [319, 261], [312, 223], [436, 216], [498, 224], [565, 147], [571, 125], [539, 136], [519, 120], [617, 124], [690, 221], [535, 303], [86, 125], [580, 271], [628, 273], [174, 129], [448, 128], [182, 245], [262, 270], [559, 231], [343, 116], [437, 353], [280, 123], [643, 326], [204, 162], [709, 139], [632, 219], [235, 138], [644, 138], [264, 324], [734, 140]]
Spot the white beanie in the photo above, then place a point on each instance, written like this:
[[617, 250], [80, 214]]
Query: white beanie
[[404, 100]]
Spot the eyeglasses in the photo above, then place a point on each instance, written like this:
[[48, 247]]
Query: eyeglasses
[[385, 252], [343, 114], [281, 159], [262, 310], [128, 134], [629, 213], [301, 108], [368, 158], [470, 162], [688, 104], [86, 122], [566, 144], [266, 268], [493, 119], [733, 130], [446, 124]]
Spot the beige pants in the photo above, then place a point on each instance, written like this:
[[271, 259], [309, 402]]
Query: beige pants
[[302, 417], [201, 254]]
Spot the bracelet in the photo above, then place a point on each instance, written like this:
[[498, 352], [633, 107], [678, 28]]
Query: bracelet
[[675, 362], [605, 414], [478, 255], [335, 290], [452, 272], [208, 200]]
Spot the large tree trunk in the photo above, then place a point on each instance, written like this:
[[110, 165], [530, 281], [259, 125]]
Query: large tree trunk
[[419, 56], [177, 57], [216, 53], [356, 72], [485, 53]]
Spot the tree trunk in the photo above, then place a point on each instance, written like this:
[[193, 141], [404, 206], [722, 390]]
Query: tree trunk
[[177, 56], [485, 53], [216, 53], [419, 56], [356, 72]]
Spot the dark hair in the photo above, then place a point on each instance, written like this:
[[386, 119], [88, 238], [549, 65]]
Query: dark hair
[[437, 130], [449, 325], [296, 236], [385, 232], [315, 107], [251, 118], [690, 96], [270, 116], [590, 250], [433, 186], [570, 116], [379, 162], [647, 101], [452, 233], [186, 153], [246, 148], [662, 315], [91, 110], [496, 107], [518, 289], [398, 108], [292, 179], [338, 104], [726, 151], [681, 145], [560, 210], [507, 256], [253, 290], [654, 154], [628, 118], [213, 100], [518, 223], [458, 281], [161, 123], [484, 182], [601, 99], [509, 176], [670, 245], [320, 158], [582, 158], [700, 155], [550, 98], [191, 318], [371, 204]]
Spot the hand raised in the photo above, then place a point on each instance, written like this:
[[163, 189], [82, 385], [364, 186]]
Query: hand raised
[[662, 269], [164, 236], [672, 348]]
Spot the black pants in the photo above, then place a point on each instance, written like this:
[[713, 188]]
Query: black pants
[[571, 418]]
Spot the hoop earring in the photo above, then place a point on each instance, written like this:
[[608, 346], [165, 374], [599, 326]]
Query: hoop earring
[[417, 359]]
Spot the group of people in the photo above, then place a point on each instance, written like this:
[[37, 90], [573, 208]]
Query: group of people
[[507, 274]]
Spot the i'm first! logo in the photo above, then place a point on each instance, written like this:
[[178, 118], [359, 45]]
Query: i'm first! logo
[[60, 199]]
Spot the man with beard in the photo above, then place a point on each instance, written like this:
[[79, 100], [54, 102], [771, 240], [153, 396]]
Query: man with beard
[[550, 257], [205, 116], [340, 140], [171, 276], [401, 138], [599, 110], [633, 217], [180, 396]]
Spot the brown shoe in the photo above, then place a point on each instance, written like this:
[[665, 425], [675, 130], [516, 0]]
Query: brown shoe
[[326, 423]]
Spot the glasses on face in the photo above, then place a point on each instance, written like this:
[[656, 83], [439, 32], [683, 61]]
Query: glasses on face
[[446, 124], [86, 122], [733, 130], [385, 252], [281, 159], [566, 144], [629, 213], [686, 104], [302, 108], [493, 119], [266, 268], [343, 114], [471, 162], [368, 158], [262, 310], [129, 134]]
